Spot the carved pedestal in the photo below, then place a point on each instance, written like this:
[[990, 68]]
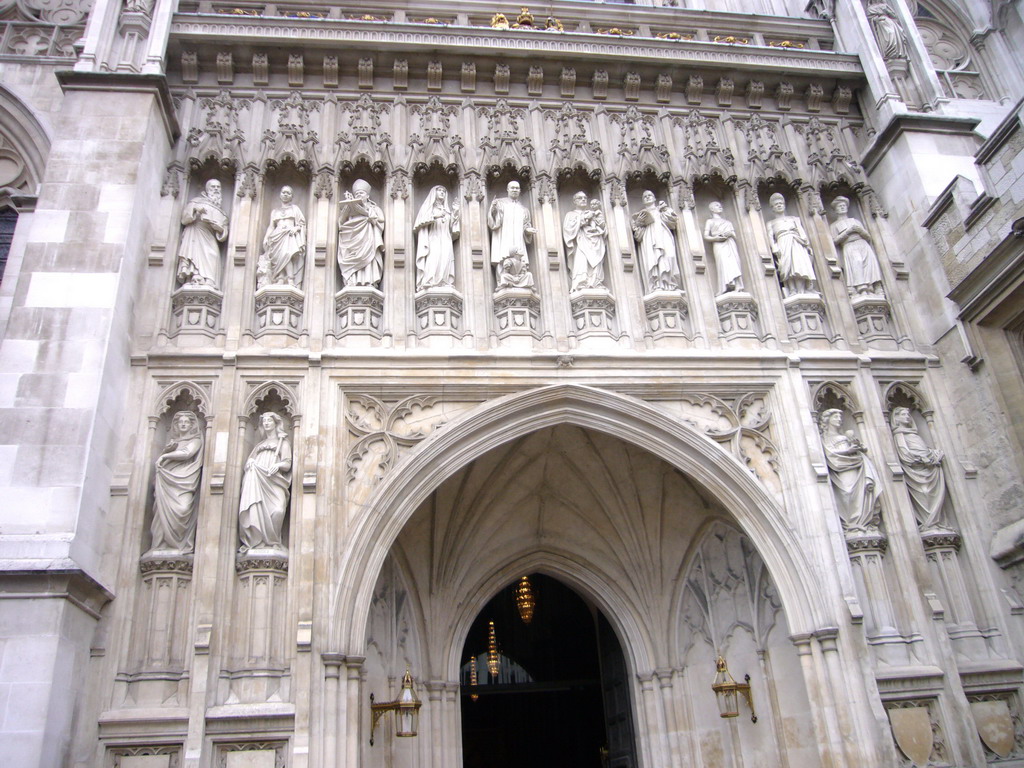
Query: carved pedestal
[[196, 309], [257, 670], [360, 310], [666, 313], [439, 311], [517, 311], [874, 321], [279, 309], [867, 558], [159, 638], [593, 312], [806, 315], [941, 547], [737, 314]]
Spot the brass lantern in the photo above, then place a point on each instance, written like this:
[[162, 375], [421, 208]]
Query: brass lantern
[[728, 691], [406, 708]]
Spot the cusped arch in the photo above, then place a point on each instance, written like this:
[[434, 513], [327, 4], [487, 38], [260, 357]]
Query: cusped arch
[[24, 144], [501, 420], [168, 395]]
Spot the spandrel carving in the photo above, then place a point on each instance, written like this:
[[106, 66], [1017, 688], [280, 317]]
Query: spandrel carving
[[204, 228]]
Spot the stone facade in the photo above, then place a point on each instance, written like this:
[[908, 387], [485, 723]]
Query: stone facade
[[299, 369]]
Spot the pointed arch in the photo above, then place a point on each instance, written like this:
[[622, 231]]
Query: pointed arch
[[499, 421]]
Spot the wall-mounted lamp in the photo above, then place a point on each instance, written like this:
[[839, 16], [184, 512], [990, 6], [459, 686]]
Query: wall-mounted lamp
[[406, 708], [727, 691]]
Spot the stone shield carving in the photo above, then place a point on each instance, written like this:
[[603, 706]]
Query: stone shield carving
[[912, 730], [995, 726]]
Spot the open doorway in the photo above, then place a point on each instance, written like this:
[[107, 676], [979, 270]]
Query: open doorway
[[544, 683]]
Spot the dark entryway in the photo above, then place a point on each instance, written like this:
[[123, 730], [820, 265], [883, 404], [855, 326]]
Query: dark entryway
[[550, 693]]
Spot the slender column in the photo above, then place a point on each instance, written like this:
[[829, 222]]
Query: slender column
[[329, 722], [867, 559]]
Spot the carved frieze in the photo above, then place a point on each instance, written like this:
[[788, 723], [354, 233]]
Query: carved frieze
[[363, 138], [572, 148], [433, 142], [703, 154], [504, 143], [638, 151]]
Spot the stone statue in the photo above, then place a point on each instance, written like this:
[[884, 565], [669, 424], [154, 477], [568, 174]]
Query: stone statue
[[653, 231], [852, 473], [860, 262], [722, 235], [204, 228], [266, 487], [584, 231], [511, 229], [283, 260], [514, 271], [892, 41], [176, 485], [922, 469], [360, 237], [792, 249], [436, 226]]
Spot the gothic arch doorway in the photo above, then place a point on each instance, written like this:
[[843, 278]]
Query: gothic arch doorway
[[544, 682]]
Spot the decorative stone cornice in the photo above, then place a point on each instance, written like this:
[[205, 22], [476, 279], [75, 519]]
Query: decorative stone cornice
[[123, 82]]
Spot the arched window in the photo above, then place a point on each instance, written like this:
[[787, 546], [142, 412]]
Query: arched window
[[952, 55]]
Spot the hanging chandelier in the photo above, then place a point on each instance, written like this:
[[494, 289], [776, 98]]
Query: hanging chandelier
[[472, 677], [524, 600], [493, 663]]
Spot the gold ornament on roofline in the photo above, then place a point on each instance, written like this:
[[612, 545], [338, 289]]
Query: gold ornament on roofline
[[524, 20], [784, 44], [367, 17], [673, 36], [616, 31], [731, 40], [499, 21], [553, 25]]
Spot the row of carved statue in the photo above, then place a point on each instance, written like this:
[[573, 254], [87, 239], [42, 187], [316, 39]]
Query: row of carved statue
[[267, 476], [438, 224]]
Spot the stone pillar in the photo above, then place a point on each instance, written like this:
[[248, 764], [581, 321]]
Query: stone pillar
[[867, 559], [67, 374], [941, 549]]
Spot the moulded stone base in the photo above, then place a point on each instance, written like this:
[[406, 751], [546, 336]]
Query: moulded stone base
[[874, 321], [737, 314], [439, 311], [279, 309], [517, 312], [195, 309], [667, 313], [360, 310], [806, 315], [593, 312]]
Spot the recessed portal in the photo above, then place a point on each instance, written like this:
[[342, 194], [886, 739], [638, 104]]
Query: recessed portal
[[544, 686]]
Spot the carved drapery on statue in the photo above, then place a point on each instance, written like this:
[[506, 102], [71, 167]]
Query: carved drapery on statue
[[792, 249], [860, 262], [204, 228], [360, 237], [584, 230], [922, 469], [721, 233], [852, 473], [437, 225], [283, 261], [653, 230], [266, 487], [176, 485], [511, 229]]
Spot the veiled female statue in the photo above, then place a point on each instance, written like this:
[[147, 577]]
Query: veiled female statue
[[860, 262], [792, 249], [360, 237], [436, 226], [852, 473], [721, 233], [922, 469], [266, 487], [283, 260], [653, 227], [176, 486]]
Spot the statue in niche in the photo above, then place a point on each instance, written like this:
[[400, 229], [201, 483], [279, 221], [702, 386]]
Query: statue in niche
[[892, 40], [175, 486], [514, 271], [437, 225], [653, 227], [584, 231], [860, 262], [922, 469], [852, 473], [721, 233], [283, 260], [511, 229], [266, 487], [792, 249], [360, 237], [204, 228]]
